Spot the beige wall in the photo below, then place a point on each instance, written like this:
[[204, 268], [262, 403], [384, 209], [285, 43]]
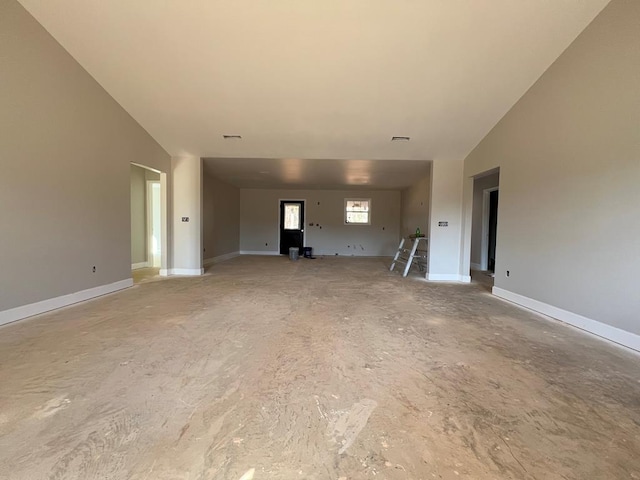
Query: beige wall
[[259, 221], [64, 169], [138, 215], [415, 207], [479, 186], [445, 242], [221, 210], [187, 199], [569, 158]]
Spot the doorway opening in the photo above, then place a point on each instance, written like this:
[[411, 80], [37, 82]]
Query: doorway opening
[[484, 225], [489, 228], [154, 226], [291, 225], [147, 227]]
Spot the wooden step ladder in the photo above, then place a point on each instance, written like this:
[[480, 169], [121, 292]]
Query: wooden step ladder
[[416, 253]]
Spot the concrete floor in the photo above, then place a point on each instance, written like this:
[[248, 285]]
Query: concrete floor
[[320, 369], [142, 275]]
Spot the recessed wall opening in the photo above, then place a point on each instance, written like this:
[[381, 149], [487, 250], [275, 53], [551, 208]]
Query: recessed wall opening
[[154, 232], [484, 227], [352, 207], [147, 234]]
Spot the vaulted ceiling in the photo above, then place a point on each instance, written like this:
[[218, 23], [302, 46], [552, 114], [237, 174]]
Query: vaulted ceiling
[[330, 79]]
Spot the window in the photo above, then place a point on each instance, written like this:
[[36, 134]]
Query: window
[[292, 216], [357, 211]]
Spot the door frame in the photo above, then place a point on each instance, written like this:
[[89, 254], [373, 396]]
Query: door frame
[[149, 213], [304, 215], [164, 218], [484, 248]]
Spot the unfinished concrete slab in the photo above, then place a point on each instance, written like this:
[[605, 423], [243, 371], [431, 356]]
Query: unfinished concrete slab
[[318, 369]]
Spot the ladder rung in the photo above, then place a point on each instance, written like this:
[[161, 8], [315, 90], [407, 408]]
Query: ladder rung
[[411, 256]]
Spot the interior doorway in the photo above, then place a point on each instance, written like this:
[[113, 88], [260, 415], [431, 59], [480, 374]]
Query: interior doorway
[[154, 226], [489, 228], [148, 230], [291, 225], [484, 222]]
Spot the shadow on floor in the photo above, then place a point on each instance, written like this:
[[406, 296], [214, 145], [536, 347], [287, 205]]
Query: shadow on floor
[[483, 278], [142, 275]]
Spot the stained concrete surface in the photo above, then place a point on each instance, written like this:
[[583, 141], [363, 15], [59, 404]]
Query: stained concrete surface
[[142, 275], [318, 369]]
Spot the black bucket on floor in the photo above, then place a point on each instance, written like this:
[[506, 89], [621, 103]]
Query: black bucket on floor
[[307, 252]]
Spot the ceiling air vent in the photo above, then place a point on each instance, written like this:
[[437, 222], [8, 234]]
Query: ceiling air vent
[[232, 137], [400, 139]]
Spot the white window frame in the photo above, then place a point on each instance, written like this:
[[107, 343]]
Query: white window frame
[[368, 200]]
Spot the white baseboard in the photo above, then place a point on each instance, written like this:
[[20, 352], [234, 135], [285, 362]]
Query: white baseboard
[[476, 266], [165, 272], [136, 266], [187, 271], [24, 311], [613, 334], [257, 252], [448, 277], [220, 258]]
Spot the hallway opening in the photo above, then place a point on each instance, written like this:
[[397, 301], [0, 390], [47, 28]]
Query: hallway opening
[[147, 233], [484, 223]]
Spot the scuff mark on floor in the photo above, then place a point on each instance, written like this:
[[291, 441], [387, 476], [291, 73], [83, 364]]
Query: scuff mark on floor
[[345, 426]]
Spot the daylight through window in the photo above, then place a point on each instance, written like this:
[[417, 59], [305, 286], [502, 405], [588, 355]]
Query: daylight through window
[[292, 216], [357, 211]]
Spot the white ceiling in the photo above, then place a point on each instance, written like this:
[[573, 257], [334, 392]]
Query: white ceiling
[[330, 79], [317, 173]]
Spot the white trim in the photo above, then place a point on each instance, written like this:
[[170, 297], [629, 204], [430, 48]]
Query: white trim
[[220, 258], [148, 219], [136, 266], [476, 266], [151, 261], [164, 272], [187, 271], [145, 167], [258, 252], [484, 245], [613, 334], [368, 200], [24, 311], [165, 225], [164, 218], [448, 277]]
